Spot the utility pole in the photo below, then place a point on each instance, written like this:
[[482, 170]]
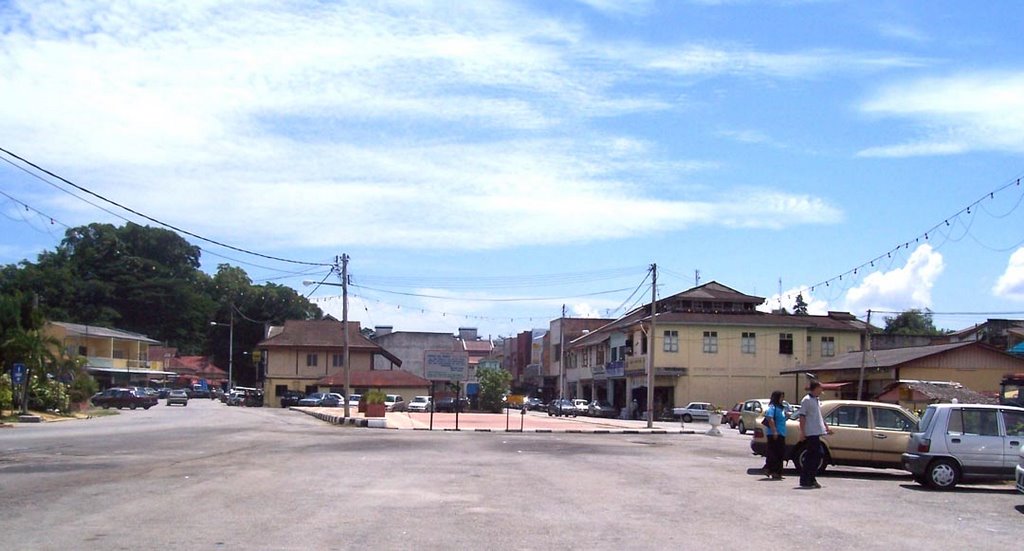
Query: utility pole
[[231, 350], [864, 356], [650, 346], [561, 355], [696, 278], [344, 323]]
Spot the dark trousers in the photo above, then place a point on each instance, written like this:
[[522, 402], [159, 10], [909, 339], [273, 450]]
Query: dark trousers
[[808, 476], [776, 449]]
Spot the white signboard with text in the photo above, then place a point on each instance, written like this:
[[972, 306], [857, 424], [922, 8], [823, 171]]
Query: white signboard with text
[[440, 365]]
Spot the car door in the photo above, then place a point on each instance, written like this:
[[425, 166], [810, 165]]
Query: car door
[[891, 429], [851, 440], [973, 437], [1013, 428]]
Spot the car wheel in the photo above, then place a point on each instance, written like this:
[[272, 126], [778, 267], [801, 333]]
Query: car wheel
[[133, 406], [801, 453], [743, 428], [687, 418], [943, 474], [146, 407]]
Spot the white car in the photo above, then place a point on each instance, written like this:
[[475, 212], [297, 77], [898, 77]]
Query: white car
[[391, 400], [693, 410], [960, 442], [353, 400], [419, 403], [582, 406], [1020, 470]]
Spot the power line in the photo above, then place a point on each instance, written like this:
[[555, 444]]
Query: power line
[[157, 221], [319, 284], [499, 282], [477, 299]]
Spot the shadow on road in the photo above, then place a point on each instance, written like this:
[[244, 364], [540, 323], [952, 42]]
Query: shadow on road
[[1020, 509], [964, 490], [831, 473]]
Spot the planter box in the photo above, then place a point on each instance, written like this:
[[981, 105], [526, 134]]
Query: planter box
[[362, 406], [374, 410]]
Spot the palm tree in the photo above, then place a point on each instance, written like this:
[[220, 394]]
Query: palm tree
[[36, 350]]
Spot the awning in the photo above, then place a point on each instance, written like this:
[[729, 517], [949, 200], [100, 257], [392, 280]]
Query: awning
[[129, 371]]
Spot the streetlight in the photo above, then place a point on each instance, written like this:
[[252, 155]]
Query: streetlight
[[231, 347]]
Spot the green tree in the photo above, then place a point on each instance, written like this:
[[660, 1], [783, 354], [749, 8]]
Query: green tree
[[36, 351], [493, 386], [800, 308], [911, 322]]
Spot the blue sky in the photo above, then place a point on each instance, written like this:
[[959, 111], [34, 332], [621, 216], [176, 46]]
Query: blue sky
[[485, 150]]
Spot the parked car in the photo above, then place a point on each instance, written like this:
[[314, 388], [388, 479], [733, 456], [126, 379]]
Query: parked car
[[600, 408], [391, 401], [864, 434], [353, 400], [291, 398], [449, 405], [963, 442], [177, 396], [582, 406], [534, 404], [123, 398], [753, 411], [162, 392], [419, 403], [235, 397], [732, 417], [561, 407], [693, 410], [152, 392], [1020, 470]]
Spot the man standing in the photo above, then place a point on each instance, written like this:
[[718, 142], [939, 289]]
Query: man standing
[[812, 428]]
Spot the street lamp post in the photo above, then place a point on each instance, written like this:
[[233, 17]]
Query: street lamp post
[[231, 347]]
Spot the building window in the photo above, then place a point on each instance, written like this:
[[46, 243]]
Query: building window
[[586, 357], [311, 360], [83, 351], [557, 349], [600, 356], [828, 346], [280, 390], [643, 344], [337, 360], [748, 343], [671, 341], [711, 342], [786, 343], [117, 354], [615, 353], [810, 346]]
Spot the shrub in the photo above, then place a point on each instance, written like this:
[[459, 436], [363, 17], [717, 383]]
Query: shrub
[[375, 396]]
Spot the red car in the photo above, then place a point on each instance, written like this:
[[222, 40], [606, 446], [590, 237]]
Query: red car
[[732, 417]]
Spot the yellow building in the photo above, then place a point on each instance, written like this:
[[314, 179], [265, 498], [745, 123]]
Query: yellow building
[[974, 365], [711, 345], [308, 356], [112, 356]]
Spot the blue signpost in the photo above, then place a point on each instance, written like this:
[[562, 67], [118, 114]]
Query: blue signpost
[[18, 374]]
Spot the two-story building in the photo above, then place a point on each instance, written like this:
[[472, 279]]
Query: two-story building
[[112, 356], [308, 356], [710, 344]]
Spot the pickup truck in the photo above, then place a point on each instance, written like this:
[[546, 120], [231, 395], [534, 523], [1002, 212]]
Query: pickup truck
[[123, 398]]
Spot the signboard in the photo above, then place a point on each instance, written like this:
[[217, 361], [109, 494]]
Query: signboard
[[488, 364], [614, 369], [445, 366], [18, 374], [472, 389]]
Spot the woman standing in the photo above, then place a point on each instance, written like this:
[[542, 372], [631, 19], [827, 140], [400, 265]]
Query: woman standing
[[775, 431]]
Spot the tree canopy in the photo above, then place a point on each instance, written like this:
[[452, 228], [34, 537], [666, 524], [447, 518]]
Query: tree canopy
[[911, 322], [147, 280]]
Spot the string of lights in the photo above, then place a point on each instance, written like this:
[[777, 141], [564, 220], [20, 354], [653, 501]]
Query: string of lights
[[140, 214], [943, 228]]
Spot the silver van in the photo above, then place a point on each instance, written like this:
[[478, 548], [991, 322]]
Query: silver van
[[963, 442]]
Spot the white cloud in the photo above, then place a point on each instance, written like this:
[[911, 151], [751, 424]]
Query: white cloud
[[902, 288], [956, 114], [617, 7], [901, 31], [319, 125], [1011, 283], [815, 306]]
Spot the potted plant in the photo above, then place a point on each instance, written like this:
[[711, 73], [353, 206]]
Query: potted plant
[[374, 401], [715, 419]]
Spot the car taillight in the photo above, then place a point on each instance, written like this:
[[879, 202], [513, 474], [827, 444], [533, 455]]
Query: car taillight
[[924, 446]]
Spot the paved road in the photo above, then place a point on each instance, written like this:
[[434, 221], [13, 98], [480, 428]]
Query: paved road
[[212, 477]]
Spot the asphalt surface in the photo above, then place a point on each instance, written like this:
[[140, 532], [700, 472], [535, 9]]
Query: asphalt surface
[[213, 477]]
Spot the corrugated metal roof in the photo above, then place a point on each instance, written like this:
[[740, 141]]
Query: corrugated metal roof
[[882, 358], [318, 333], [80, 330]]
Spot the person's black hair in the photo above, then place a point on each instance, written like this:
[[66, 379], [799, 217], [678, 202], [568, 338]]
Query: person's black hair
[[813, 385], [777, 398]]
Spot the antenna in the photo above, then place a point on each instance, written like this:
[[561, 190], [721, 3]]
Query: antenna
[[780, 293]]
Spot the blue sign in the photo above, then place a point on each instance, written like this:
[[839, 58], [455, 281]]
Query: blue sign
[[18, 374], [472, 389], [203, 384]]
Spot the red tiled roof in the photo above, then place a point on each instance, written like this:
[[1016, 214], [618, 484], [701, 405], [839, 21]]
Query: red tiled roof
[[326, 333], [478, 346], [394, 378]]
